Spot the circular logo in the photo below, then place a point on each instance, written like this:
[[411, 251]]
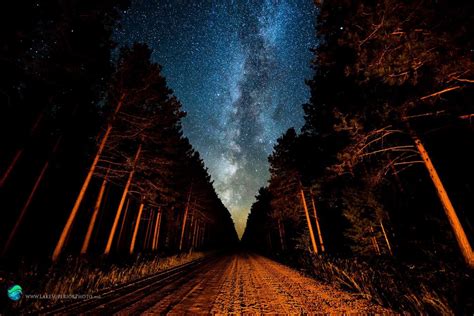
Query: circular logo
[[15, 292]]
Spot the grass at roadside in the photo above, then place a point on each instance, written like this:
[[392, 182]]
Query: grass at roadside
[[83, 276], [415, 288]]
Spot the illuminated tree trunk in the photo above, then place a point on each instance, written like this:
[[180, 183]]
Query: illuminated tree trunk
[[198, 230], [185, 217], [135, 231], [122, 224], [72, 216], [148, 230], [156, 234], [90, 229], [318, 228], [198, 235], [19, 153], [310, 227], [193, 234], [189, 236], [14, 161], [195, 230], [30, 199], [122, 202], [459, 232], [386, 238], [374, 241]]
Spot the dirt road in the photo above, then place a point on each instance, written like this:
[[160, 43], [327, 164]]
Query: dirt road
[[245, 283]]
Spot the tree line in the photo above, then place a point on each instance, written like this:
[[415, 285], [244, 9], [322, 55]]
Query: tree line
[[383, 163], [93, 157]]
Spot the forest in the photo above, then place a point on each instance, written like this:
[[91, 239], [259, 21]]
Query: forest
[[93, 157], [375, 191]]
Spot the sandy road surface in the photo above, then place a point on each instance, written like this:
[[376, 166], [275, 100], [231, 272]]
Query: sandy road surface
[[249, 284]]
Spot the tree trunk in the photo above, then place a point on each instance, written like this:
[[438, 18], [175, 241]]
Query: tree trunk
[[122, 224], [122, 202], [72, 216], [318, 228], [374, 241], [135, 231], [195, 230], [198, 235], [156, 234], [183, 226], [459, 233], [30, 198], [191, 229], [148, 230], [19, 153], [189, 235], [386, 238], [310, 227], [90, 229], [14, 161]]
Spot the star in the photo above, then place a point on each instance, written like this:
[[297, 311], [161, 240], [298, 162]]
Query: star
[[239, 71]]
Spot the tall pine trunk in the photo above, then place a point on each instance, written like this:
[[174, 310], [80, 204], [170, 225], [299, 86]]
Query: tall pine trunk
[[185, 217], [459, 233], [189, 236], [386, 238], [310, 227], [195, 230], [19, 152], [12, 165], [146, 241], [122, 224], [25, 207], [135, 231], [156, 234], [72, 215], [198, 235], [318, 228], [375, 244], [90, 229], [122, 202]]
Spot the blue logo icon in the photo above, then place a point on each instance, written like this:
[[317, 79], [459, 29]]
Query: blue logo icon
[[15, 292]]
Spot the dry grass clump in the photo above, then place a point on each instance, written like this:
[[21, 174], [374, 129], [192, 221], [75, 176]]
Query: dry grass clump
[[79, 276], [414, 289]]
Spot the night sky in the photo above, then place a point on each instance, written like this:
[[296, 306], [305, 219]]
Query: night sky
[[238, 68]]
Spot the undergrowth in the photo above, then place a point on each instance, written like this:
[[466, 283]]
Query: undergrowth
[[85, 276], [434, 288]]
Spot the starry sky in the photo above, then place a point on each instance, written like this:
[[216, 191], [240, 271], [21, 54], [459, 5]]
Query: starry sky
[[238, 68]]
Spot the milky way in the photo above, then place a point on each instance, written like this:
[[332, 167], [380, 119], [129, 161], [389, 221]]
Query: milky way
[[238, 68]]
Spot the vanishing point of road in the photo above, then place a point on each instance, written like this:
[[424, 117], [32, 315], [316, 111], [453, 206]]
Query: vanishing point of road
[[245, 283]]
